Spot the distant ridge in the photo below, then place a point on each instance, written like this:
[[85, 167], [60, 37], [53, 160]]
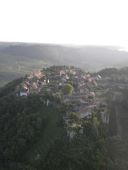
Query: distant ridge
[[20, 58]]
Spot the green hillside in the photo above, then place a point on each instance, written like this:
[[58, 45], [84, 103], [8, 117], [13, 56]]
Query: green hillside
[[33, 129], [65, 118]]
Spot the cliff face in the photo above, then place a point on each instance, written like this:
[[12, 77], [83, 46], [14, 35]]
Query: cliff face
[[115, 81]]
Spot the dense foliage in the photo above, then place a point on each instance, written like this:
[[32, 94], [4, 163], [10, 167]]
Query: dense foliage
[[33, 137], [23, 123], [87, 151]]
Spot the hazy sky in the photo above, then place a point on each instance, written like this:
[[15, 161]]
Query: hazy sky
[[88, 22]]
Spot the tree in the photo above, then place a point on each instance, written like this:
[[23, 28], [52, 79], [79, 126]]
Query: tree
[[68, 89], [74, 116]]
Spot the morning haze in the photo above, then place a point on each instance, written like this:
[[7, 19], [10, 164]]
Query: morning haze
[[17, 59]]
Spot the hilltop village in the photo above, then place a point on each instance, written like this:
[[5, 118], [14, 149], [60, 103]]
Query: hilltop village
[[63, 115], [75, 88]]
